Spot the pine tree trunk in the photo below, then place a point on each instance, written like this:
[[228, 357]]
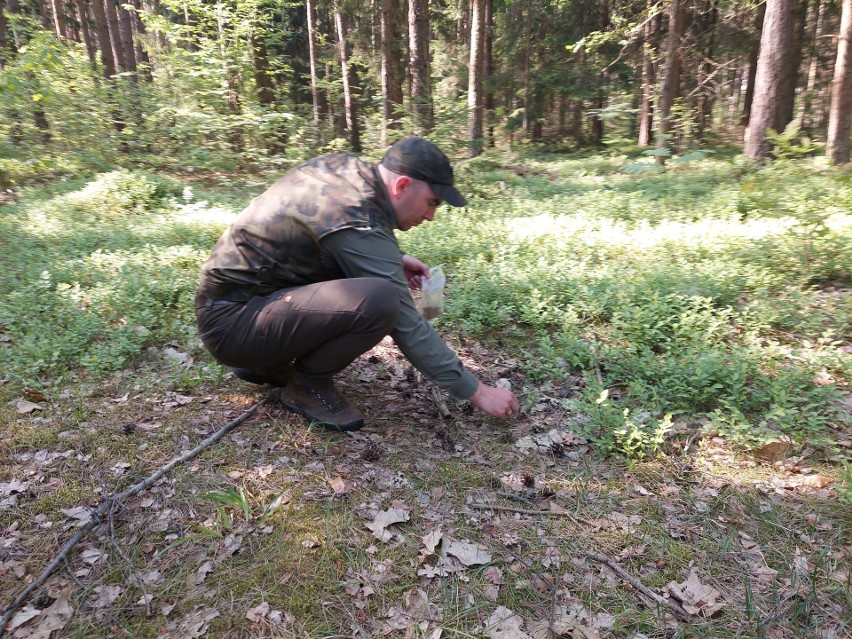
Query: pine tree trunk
[[391, 86], [262, 80], [527, 65], [775, 42], [127, 48], [840, 116], [347, 72], [312, 54], [671, 74], [488, 72], [83, 16], [752, 65], [104, 40], [139, 32], [4, 43], [115, 34], [790, 81], [59, 19], [231, 85], [474, 83], [418, 67], [649, 79], [817, 21]]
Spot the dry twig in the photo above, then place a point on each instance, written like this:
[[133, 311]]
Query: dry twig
[[672, 605], [107, 506]]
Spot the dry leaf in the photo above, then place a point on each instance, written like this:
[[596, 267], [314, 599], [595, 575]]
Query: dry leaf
[[258, 612], [431, 540], [55, 617], [774, 450], [505, 624], [193, 625], [81, 513], [384, 519], [203, 570], [697, 598], [340, 486], [106, 596], [24, 615], [24, 407], [468, 554]]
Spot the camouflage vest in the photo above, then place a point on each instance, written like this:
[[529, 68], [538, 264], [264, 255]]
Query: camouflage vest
[[275, 242]]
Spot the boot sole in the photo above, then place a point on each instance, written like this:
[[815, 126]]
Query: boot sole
[[295, 408]]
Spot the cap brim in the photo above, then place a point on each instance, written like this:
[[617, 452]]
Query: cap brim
[[449, 194]]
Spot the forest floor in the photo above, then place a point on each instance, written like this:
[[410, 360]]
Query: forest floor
[[431, 521]]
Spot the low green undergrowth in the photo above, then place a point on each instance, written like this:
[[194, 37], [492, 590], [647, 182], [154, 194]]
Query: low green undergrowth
[[715, 290]]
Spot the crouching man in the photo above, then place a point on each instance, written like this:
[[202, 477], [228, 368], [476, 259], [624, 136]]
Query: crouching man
[[310, 276]]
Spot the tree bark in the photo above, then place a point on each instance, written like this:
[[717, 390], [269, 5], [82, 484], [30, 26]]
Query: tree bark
[[775, 43], [262, 80], [488, 72], [752, 64], [391, 86], [840, 115], [817, 21], [231, 85], [790, 80], [671, 74], [474, 82], [418, 67], [139, 32], [312, 53], [115, 34], [649, 79], [347, 72], [4, 43], [127, 47], [104, 40], [59, 19], [83, 15]]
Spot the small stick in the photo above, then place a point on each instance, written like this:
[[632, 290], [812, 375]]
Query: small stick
[[633, 581], [106, 507], [524, 511]]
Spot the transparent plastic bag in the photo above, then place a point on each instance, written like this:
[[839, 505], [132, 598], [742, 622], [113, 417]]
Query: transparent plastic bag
[[432, 289]]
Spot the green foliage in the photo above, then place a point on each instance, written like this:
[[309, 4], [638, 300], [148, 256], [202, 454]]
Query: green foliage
[[790, 144]]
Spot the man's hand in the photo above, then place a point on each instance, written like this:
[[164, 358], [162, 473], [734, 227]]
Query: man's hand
[[497, 402], [414, 270]]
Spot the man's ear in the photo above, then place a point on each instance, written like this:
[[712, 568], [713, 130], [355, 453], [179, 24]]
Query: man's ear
[[400, 185]]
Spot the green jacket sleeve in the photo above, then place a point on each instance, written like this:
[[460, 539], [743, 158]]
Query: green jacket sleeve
[[375, 253]]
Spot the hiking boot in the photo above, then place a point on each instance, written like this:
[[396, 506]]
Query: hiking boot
[[320, 402], [259, 377]]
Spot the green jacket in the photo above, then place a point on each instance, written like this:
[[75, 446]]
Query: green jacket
[[329, 218]]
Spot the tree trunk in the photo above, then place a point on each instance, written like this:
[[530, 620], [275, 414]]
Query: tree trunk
[[115, 34], [126, 32], [139, 31], [527, 65], [775, 42], [577, 123], [347, 72], [649, 79], [231, 85], [83, 15], [817, 21], [671, 75], [474, 79], [752, 64], [262, 80], [59, 19], [391, 86], [102, 27], [488, 72], [790, 80], [840, 116], [316, 96], [418, 67], [4, 43]]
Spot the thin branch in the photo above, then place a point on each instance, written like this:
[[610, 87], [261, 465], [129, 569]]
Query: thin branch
[[672, 605], [540, 513], [107, 505], [127, 560]]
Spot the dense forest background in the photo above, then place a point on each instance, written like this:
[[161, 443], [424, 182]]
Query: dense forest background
[[206, 83]]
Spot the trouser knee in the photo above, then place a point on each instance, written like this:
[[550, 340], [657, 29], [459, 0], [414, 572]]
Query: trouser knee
[[382, 304]]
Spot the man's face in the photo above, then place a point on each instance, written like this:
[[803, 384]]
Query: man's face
[[414, 202]]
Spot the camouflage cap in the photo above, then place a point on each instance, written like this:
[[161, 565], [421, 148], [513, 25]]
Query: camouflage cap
[[420, 159]]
